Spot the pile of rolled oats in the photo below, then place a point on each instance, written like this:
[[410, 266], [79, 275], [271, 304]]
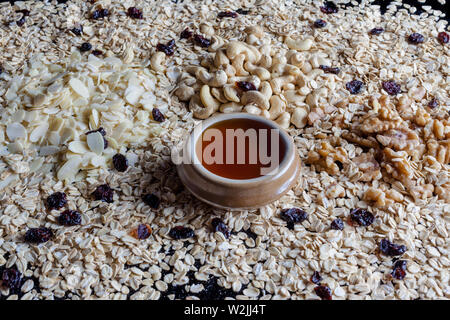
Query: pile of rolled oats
[[94, 94]]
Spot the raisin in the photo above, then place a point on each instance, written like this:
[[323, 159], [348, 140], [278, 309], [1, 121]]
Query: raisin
[[376, 31], [104, 193], [120, 162], [157, 115], [337, 224], [38, 235], [21, 21], [56, 200], [327, 69], [293, 216], [362, 217], [319, 23], [339, 164], [77, 30], [166, 48], [143, 231], [86, 46], [70, 218], [323, 292], [220, 226], [135, 13], [443, 37], [354, 86], [151, 200], [24, 12], [329, 7], [245, 86], [316, 277], [391, 249], [391, 87], [100, 14], [433, 103], [227, 14], [399, 270], [416, 38], [11, 278], [242, 11], [97, 52], [201, 41], [181, 232], [185, 34]]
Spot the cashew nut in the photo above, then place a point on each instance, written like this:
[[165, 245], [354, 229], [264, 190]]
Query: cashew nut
[[231, 107], [299, 117], [238, 64], [252, 39], [295, 58], [277, 107], [279, 58], [237, 47], [279, 83], [282, 69], [265, 114], [284, 120], [184, 93], [255, 30], [262, 73], [255, 97], [206, 29], [299, 44], [218, 79], [220, 59], [266, 50], [218, 94], [229, 70], [231, 93], [216, 43], [208, 100], [252, 109], [312, 99], [294, 98], [265, 61], [198, 110], [157, 61], [266, 89]]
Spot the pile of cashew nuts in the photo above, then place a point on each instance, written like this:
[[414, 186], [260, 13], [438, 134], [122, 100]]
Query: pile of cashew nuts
[[286, 90]]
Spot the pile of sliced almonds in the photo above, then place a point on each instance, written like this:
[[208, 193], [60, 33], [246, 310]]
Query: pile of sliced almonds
[[49, 108]]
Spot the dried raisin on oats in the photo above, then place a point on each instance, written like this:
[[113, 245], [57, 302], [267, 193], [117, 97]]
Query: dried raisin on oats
[[70, 218], [104, 193], [399, 270], [434, 103], [180, 232], [157, 115], [323, 292], [337, 224], [56, 200], [376, 31], [86, 46], [166, 48], [11, 278], [362, 217], [97, 52], [316, 278], [227, 14], [416, 38], [21, 21], [354, 86], [329, 7], [185, 34], [24, 12], [319, 23], [242, 11], [201, 41], [120, 162], [293, 216], [100, 14], [391, 87], [443, 37], [134, 13], [328, 69], [38, 235], [143, 231], [245, 86], [219, 226], [152, 200], [391, 249], [77, 30]]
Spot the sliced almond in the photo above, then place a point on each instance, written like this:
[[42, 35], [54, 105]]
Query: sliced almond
[[48, 150], [16, 131], [133, 93], [79, 147], [38, 132], [69, 169], [79, 87], [95, 142]]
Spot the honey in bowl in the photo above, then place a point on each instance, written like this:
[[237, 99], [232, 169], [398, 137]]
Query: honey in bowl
[[241, 148]]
